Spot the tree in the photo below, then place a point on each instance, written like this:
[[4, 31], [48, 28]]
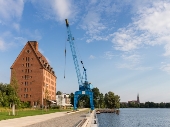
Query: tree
[[58, 93], [47, 102], [111, 100], [96, 94], [117, 101], [13, 93], [72, 98], [101, 100]]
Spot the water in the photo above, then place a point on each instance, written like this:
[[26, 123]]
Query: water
[[136, 117]]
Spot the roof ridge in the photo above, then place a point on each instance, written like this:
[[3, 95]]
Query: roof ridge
[[53, 73]]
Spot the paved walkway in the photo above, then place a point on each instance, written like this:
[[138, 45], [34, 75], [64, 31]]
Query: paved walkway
[[29, 120]]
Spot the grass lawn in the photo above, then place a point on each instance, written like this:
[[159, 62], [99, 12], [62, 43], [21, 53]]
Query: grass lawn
[[4, 114]]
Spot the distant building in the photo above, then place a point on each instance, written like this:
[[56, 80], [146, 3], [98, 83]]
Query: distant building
[[35, 76], [63, 100], [138, 101], [135, 101]]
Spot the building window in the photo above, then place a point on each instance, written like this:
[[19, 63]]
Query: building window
[[30, 95], [27, 59], [28, 51]]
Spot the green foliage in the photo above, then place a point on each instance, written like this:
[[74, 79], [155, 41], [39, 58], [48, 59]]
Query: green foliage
[[72, 98], [100, 101], [58, 93], [28, 112], [8, 94], [111, 100], [145, 105]]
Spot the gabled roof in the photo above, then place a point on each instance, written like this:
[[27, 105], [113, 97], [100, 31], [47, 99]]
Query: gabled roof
[[42, 60]]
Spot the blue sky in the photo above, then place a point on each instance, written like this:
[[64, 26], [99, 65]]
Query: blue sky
[[125, 45]]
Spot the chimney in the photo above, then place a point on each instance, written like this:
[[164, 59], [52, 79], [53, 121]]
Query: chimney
[[36, 46]]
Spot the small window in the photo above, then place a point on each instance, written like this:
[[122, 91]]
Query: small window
[[30, 95], [22, 58], [28, 51]]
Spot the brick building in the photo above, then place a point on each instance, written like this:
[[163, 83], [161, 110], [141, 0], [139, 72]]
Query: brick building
[[36, 78]]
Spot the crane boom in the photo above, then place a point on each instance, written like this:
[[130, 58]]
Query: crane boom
[[70, 39]]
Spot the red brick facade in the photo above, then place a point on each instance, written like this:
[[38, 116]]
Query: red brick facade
[[36, 78]]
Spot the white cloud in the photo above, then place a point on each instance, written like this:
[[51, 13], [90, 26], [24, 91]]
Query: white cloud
[[132, 62], [56, 9], [150, 26], [92, 57], [125, 39], [34, 34], [2, 45], [108, 55], [20, 40], [166, 68], [41, 51], [16, 26], [11, 9], [62, 9], [97, 19], [135, 59]]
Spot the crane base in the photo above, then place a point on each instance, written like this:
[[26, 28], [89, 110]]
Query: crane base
[[77, 96]]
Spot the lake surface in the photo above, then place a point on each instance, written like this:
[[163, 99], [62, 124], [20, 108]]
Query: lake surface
[[136, 117]]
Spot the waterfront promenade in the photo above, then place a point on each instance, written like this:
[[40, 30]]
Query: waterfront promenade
[[58, 119]]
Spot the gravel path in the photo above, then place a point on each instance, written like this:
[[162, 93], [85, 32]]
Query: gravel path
[[69, 120]]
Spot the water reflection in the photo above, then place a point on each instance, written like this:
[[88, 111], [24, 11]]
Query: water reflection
[[136, 117]]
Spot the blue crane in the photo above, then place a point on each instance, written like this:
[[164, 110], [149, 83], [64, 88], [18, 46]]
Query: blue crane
[[85, 88]]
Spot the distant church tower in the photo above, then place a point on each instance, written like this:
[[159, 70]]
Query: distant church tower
[[138, 101]]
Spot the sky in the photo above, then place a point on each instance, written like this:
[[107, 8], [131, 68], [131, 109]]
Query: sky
[[124, 45]]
